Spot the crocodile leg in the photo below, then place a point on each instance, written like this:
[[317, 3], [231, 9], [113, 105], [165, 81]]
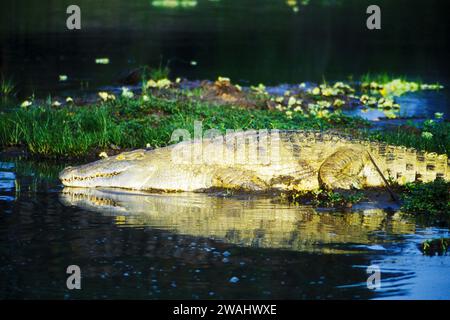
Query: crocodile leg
[[239, 179], [341, 169]]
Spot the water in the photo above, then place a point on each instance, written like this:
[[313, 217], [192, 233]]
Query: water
[[251, 41], [156, 246]]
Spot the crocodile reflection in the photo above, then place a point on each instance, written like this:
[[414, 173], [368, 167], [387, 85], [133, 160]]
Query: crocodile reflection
[[252, 222]]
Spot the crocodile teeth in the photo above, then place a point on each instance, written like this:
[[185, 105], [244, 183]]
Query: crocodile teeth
[[98, 175]]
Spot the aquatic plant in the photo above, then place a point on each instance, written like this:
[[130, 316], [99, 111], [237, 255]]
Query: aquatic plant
[[435, 247], [296, 4], [127, 93], [105, 96], [159, 84], [394, 87], [7, 87], [26, 104], [102, 61], [438, 115], [171, 4], [325, 198], [420, 199], [259, 89], [161, 72]]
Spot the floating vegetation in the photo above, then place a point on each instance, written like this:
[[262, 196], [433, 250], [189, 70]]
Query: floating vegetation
[[438, 115], [63, 77], [172, 4], [105, 96], [339, 88], [159, 84], [397, 87], [102, 61], [320, 101], [296, 4], [126, 93], [259, 89], [26, 104], [293, 4]]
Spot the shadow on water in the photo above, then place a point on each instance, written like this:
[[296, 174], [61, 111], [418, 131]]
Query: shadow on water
[[152, 246]]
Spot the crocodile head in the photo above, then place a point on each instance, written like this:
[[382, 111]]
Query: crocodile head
[[127, 170]]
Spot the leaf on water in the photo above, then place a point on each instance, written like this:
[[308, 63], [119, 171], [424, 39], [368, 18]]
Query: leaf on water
[[102, 61]]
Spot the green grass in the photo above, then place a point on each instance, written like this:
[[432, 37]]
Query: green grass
[[413, 136], [131, 123], [428, 201], [72, 131], [325, 198], [7, 87], [380, 78], [161, 72]]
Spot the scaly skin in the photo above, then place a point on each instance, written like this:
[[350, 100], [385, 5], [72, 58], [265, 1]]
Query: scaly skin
[[280, 160]]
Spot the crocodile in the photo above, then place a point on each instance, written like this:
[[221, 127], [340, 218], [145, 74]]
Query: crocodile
[[260, 161]]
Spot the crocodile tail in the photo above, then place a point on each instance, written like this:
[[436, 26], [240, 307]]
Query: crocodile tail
[[403, 165], [431, 166]]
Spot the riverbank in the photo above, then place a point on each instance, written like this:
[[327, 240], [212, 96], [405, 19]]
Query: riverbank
[[146, 116]]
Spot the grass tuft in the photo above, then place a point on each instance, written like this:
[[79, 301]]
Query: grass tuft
[[7, 87], [130, 123], [430, 201]]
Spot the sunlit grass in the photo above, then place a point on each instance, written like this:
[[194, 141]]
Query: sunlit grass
[[432, 136], [131, 123], [123, 122]]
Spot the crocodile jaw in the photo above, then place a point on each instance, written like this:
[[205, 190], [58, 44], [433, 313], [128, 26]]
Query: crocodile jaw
[[71, 177], [107, 173]]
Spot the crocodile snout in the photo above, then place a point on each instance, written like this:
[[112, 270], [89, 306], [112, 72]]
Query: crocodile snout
[[65, 174]]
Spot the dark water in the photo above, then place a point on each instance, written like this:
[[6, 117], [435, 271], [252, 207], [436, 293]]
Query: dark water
[[250, 41], [134, 245]]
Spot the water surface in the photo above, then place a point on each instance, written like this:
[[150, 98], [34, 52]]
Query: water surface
[[251, 41]]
